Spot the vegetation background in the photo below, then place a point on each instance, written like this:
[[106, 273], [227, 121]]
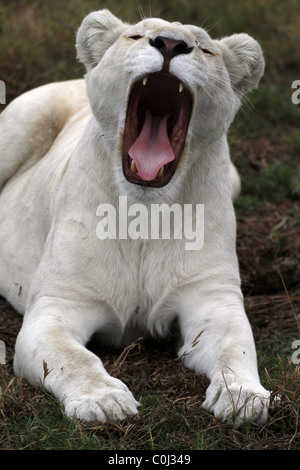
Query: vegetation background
[[36, 47]]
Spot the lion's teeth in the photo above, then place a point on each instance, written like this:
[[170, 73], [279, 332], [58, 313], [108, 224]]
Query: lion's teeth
[[161, 172], [180, 87], [145, 79], [133, 166], [176, 137]]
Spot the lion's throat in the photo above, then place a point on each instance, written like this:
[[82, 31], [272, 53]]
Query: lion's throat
[[152, 149]]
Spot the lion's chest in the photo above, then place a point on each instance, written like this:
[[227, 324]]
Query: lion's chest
[[136, 277], [143, 285]]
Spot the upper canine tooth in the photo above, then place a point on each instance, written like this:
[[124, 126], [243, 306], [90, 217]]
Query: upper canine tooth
[[145, 79], [180, 87], [176, 137]]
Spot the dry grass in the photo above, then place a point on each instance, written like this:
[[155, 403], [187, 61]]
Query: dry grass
[[171, 416]]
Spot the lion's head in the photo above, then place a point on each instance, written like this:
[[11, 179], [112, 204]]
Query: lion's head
[[162, 91]]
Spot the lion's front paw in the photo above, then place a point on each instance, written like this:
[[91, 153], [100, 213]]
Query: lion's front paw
[[237, 401], [107, 404]]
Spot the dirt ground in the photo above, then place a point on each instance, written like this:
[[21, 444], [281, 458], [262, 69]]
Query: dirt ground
[[268, 247], [268, 243]]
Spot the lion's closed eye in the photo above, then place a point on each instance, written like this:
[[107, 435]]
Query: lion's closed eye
[[206, 51], [135, 37]]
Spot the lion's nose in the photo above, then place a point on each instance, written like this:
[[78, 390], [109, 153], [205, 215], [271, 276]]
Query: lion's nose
[[170, 48]]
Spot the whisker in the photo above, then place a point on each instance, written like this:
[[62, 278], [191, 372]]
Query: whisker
[[220, 69], [246, 102], [140, 9], [202, 25], [150, 10], [245, 99], [209, 28], [241, 95], [207, 89]]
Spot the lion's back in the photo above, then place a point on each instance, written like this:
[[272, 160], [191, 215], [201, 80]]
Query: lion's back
[[30, 124]]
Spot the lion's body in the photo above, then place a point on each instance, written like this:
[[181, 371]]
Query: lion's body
[[32, 165], [61, 158]]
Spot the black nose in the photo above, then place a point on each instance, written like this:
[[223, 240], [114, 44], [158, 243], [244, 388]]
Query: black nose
[[169, 48]]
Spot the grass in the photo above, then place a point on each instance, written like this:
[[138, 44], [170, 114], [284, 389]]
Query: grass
[[270, 184], [37, 47], [163, 422]]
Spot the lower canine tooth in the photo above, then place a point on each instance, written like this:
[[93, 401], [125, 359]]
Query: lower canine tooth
[[161, 172], [145, 79], [133, 167], [180, 87]]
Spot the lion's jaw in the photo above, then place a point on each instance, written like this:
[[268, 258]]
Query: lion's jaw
[[162, 94], [157, 121]]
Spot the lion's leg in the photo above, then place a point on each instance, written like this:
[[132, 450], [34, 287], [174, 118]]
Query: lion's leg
[[50, 352], [218, 342]]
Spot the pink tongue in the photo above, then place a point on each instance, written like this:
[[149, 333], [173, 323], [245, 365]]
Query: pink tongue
[[152, 149]]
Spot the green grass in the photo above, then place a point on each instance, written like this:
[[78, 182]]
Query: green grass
[[269, 185], [264, 109], [159, 425]]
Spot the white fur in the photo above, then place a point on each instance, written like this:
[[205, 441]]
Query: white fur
[[59, 161]]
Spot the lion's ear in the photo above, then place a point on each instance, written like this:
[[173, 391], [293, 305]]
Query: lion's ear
[[244, 60], [98, 31]]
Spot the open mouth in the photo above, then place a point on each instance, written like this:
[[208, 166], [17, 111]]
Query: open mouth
[[157, 121]]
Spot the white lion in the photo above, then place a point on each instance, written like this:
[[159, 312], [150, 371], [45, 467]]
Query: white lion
[[161, 97]]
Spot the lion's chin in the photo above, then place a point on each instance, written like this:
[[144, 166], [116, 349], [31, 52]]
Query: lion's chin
[[157, 120]]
